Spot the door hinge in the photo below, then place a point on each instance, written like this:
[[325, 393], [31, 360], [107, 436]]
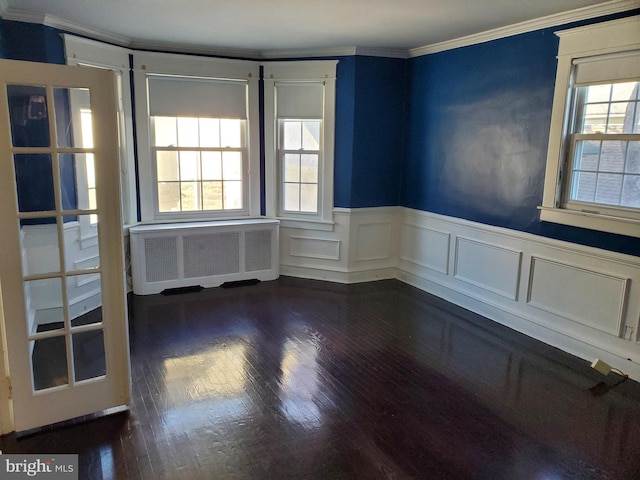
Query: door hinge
[[10, 388]]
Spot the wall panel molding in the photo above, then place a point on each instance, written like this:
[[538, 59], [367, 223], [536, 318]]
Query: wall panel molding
[[308, 247], [488, 266], [585, 296], [583, 300], [373, 240], [425, 247], [598, 317]]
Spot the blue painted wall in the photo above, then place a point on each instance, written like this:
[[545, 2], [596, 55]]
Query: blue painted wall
[[479, 120], [34, 177], [371, 104], [479, 124], [461, 133], [30, 42], [378, 133], [2, 48], [345, 125]]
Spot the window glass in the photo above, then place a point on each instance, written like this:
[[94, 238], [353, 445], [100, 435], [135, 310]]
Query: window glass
[[209, 132], [300, 164], [231, 133], [199, 163], [165, 131], [311, 135], [188, 132], [606, 146]]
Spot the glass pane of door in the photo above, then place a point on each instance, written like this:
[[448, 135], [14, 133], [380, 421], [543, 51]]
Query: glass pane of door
[[61, 300], [28, 116]]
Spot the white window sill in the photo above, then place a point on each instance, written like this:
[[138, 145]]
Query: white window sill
[[186, 223], [592, 221]]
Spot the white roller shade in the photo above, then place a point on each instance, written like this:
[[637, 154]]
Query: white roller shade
[[304, 99], [607, 68], [196, 97]]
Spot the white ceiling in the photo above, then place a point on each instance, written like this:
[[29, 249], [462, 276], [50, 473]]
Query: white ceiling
[[270, 25]]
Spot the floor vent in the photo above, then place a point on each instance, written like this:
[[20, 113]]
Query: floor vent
[[171, 256]]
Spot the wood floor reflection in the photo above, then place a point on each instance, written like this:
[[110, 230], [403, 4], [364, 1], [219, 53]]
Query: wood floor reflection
[[299, 379]]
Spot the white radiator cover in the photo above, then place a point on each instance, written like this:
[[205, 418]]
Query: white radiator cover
[[207, 254]]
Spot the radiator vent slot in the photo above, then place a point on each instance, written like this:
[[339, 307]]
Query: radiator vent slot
[[257, 250], [212, 254], [204, 253], [161, 256]]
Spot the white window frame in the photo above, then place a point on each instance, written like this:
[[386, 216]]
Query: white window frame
[[323, 71], [149, 63], [605, 38], [91, 53]]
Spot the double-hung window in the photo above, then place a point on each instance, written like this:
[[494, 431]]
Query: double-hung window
[[299, 125], [604, 153], [299, 164], [198, 137], [593, 164], [299, 114], [198, 143]]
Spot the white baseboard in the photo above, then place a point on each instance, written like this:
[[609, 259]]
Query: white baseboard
[[581, 348], [582, 300], [338, 276]]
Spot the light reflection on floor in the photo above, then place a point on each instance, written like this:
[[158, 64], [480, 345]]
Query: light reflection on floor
[[300, 384], [302, 379], [212, 382], [216, 373], [219, 380], [107, 463]]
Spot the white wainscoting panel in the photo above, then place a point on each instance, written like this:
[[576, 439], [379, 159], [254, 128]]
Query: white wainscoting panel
[[583, 300], [425, 247], [488, 266], [360, 246], [373, 241], [307, 247], [585, 296], [315, 251]]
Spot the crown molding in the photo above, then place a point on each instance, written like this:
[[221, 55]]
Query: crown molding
[[191, 49], [335, 52], [308, 53], [585, 13], [19, 15], [94, 33], [382, 52]]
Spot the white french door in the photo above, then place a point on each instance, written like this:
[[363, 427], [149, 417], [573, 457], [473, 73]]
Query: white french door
[[61, 257]]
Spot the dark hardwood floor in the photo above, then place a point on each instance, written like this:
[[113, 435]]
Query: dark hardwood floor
[[299, 379]]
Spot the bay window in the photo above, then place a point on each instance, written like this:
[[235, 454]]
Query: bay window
[[197, 124]]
